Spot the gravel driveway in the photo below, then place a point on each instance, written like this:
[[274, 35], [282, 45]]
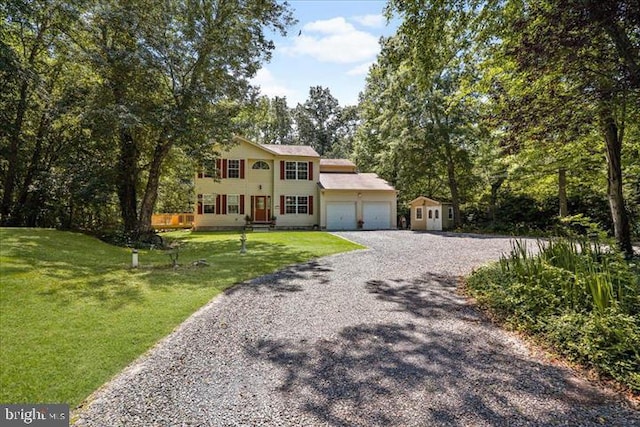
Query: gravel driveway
[[377, 337]]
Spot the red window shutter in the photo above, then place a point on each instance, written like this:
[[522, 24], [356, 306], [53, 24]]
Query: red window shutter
[[310, 171], [224, 168], [281, 169], [199, 208], [224, 204], [310, 205], [218, 168], [241, 168], [253, 201], [242, 204], [281, 205], [218, 210]]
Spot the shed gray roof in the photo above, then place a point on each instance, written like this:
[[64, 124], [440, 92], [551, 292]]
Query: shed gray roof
[[353, 181], [292, 150]]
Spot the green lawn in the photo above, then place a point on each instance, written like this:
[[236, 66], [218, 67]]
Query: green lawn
[[73, 313]]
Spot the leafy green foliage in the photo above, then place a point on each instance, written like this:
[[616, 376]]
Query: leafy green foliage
[[581, 297]]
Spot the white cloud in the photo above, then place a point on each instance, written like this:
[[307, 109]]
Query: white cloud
[[270, 86], [337, 25], [360, 70], [334, 40], [372, 21]]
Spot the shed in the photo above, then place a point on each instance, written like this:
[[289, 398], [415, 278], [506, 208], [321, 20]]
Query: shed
[[429, 214]]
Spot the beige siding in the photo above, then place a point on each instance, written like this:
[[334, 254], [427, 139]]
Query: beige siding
[[259, 182], [359, 198]]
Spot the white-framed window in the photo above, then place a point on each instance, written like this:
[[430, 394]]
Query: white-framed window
[[437, 213], [233, 204], [419, 213], [208, 203], [233, 169], [296, 170], [296, 204], [260, 165], [450, 213]]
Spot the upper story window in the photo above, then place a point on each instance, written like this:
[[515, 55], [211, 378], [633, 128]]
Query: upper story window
[[233, 169], [296, 170], [260, 165]]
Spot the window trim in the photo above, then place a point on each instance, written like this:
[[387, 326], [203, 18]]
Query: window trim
[[235, 168], [229, 204], [294, 201], [260, 165], [212, 200], [296, 170]]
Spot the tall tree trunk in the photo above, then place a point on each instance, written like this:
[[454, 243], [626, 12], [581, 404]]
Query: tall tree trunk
[[614, 182], [21, 208], [453, 183], [11, 175], [151, 190], [562, 192], [127, 180], [493, 201]]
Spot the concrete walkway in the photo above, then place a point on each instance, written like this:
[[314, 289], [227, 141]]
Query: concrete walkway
[[377, 337]]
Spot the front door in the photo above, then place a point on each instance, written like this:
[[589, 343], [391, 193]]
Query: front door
[[434, 221], [260, 209]]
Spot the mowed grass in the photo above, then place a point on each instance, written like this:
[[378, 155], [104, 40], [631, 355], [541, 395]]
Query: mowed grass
[[73, 313]]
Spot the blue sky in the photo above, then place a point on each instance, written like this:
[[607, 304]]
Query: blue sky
[[332, 45]]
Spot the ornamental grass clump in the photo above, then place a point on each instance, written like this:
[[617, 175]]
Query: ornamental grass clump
[[579, 295]]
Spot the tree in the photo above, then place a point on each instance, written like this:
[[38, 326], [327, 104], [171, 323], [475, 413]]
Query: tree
[[174, 75], [577, 63], [317, 120], [428, 63], [42, 106], [268, 121]]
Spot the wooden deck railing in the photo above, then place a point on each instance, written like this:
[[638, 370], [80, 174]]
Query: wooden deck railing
[[172, 220]]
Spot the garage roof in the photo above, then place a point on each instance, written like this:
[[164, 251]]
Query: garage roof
[[336, 162], [353, 181], [292, 150]]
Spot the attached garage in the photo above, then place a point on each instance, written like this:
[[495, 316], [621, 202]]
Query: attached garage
[[376, 215], [350, 200], [341, 216]]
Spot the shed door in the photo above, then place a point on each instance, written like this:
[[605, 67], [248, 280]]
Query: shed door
[[434, 217], [341, 216], [376, 215]]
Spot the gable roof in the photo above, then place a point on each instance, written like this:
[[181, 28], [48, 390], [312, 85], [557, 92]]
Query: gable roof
[[353, 181], [427, 201], [291, 150], [282, 150]]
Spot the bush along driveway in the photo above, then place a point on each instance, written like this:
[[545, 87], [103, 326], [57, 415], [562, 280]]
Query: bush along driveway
[[377, 337]]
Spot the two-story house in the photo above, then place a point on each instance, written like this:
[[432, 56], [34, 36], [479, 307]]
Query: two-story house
[[293, 186]]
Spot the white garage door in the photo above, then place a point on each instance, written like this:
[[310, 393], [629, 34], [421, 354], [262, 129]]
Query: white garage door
[[341, 216], [376, 215]]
